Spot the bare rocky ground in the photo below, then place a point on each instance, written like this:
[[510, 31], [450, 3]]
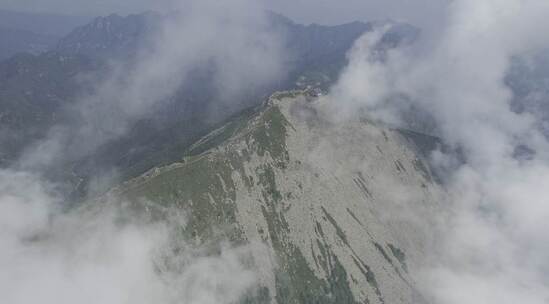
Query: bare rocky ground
[[334, 211]]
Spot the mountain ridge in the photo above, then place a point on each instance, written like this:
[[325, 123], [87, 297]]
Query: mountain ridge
[[274, 178]]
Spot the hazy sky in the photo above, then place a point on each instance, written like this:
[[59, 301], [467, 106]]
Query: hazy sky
[[307, 11]]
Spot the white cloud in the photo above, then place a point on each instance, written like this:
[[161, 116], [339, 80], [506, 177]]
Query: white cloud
[[91, 256], [493, 249]]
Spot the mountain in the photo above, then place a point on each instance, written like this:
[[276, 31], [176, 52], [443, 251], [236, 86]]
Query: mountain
[[314, 192], [35, 91], [13, 41]]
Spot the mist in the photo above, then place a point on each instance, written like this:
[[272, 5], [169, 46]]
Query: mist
[[99, 254], [104, 256], [493, 245], [231, 39]]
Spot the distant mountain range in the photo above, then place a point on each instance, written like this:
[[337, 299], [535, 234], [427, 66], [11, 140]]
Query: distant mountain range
[[33, 33]]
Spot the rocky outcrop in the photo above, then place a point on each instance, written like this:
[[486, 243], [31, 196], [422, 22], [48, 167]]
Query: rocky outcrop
[[335, 203]]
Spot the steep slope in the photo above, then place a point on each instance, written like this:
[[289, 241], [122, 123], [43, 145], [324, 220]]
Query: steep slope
[[323, 196]]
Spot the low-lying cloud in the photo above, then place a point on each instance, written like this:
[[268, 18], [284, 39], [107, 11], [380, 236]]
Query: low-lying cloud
[[494, 246], [95, 254]]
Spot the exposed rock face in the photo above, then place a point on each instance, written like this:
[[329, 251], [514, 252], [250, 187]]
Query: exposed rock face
[[326, 198]]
